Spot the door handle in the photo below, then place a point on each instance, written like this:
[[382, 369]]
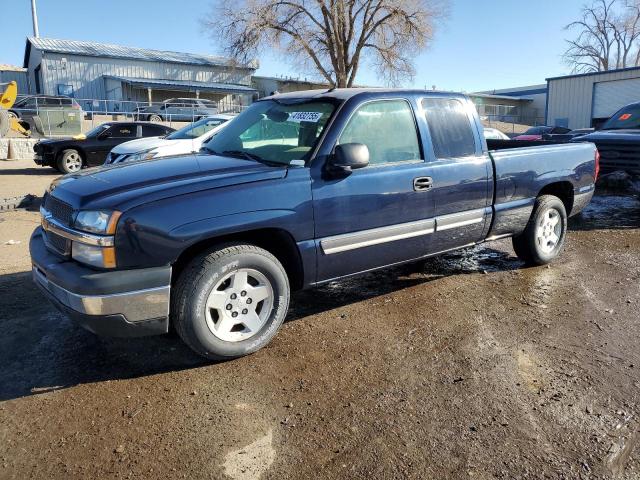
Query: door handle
[[422, 183]]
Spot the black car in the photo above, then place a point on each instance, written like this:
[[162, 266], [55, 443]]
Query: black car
[[90, 150]]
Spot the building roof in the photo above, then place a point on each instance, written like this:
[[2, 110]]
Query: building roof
[[184, 85], [518, 91], [500, 97], [4, 67], [588, 74], [95, 49]]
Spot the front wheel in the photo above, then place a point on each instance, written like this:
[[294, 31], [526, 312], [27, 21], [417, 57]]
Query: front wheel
[[155, 118], [230, 301], [70, 161], [543, 238]]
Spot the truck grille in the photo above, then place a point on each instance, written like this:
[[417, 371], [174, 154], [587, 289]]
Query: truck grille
[[619, 156], [61, 211], [57, 244]]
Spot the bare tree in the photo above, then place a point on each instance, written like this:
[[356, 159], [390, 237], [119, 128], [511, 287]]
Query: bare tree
[[333, 37], [607, 36]]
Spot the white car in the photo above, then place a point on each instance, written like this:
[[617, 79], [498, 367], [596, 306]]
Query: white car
[[494, 134], [187, 140]]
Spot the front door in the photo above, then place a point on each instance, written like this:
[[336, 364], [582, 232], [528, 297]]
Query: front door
[[461, 173], [115, 135], [383, 213]]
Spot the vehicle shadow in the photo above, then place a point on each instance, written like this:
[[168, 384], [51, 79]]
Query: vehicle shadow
[[40, 171], [42, 350]]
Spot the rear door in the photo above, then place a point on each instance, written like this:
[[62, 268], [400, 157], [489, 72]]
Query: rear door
[[375, 216], [461, 172]]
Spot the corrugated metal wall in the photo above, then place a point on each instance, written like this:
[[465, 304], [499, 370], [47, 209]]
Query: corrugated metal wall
[[571, 98], [19, 77], [84, 74]]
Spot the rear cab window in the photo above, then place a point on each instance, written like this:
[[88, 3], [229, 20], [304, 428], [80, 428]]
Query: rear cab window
[[450, 127]]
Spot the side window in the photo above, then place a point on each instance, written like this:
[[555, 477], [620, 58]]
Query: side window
[[123, 131], [152, 131], [450, 128], [49, 102], [387, 128]]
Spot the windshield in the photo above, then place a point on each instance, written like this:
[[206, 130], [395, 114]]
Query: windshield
[[196, 129], [95, 131], [274, 131], [627, 117]]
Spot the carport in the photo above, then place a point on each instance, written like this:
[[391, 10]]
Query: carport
[[149, 90]]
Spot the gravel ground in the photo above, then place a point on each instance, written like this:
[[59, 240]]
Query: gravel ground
[[466, 366]]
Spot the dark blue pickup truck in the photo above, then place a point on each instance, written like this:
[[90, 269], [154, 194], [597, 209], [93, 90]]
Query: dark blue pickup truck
[[298, 190]]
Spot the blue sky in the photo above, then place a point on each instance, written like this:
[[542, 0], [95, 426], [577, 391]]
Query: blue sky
[[484, 44]]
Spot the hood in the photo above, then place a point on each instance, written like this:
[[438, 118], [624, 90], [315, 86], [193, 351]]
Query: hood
[[49, 141], [124, 185], [139, 144], [611, 135]]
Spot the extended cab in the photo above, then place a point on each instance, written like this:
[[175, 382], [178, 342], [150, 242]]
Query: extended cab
[[298, 190]]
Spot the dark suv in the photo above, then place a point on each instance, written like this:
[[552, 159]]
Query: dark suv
[[178, 110], [28, 107]]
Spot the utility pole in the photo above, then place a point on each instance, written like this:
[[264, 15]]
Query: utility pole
[[34, 16]]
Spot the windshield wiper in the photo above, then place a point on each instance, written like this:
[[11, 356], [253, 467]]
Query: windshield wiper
[[242, 153], [209, 150]]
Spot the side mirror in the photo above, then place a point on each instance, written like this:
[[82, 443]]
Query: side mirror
[[348, 157]]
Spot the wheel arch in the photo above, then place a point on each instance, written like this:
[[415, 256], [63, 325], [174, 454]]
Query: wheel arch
[[279, 242], [563, 190]]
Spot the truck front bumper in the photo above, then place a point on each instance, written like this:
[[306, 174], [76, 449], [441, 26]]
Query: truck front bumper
[[121, 303]]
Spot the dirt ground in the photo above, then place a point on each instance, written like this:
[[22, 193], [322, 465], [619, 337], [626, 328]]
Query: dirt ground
[[468, 366], [20, 177]]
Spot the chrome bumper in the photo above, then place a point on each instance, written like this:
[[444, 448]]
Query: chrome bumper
[[137, 306]]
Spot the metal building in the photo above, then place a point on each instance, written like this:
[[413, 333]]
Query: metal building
[[11, 73], [535, 110], [97, 71], [587, 100]]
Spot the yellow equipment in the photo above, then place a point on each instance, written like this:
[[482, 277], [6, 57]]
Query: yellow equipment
[[8, 95]]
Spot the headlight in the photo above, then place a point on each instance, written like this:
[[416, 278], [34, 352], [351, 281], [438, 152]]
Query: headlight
[[102, 222], [97, 221], [145, 155], [103, 257]]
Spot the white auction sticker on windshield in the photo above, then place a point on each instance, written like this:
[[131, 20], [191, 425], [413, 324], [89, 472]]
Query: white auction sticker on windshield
[[298, 117]]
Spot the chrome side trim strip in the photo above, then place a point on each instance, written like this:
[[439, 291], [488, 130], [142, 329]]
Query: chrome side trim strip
[[50, 224], [462, 219], [135, 306], [376, 236]]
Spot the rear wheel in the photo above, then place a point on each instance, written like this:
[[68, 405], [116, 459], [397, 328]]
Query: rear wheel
[[69, 161], [543, 238], [230, 301]]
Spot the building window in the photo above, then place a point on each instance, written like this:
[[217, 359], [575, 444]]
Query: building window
[[66, 90]]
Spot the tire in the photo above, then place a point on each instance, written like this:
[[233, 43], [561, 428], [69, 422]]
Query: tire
[[208, 309], [155, 118], [70, 161], [13, 115], [544, 236]]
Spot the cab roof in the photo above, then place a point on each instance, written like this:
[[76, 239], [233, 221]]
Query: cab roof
[[347, 93]]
